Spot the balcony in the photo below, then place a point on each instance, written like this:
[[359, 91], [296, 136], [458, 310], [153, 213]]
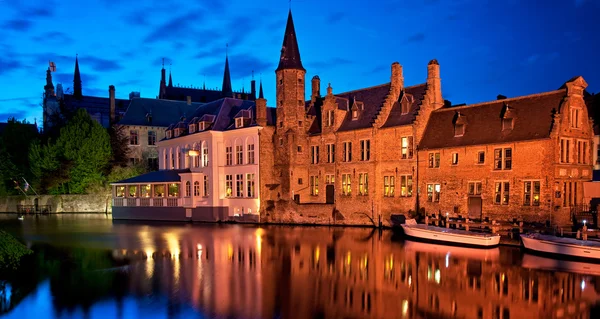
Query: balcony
[[148, 202]]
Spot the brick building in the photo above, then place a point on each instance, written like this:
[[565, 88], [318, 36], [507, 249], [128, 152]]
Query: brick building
[[366, 154]]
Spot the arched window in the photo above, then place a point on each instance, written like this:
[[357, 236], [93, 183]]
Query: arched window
[[196, 188], [196, 157], [172, 158], [188, 189], [178, 158], [204, 154], [239, 152]]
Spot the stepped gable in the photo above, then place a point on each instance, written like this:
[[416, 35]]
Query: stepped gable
[[533, 119], [372, 100], [415, 94]]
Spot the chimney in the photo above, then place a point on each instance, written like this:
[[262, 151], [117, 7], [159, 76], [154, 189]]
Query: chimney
[[112, 102], [261, 111], [434, 84], [253, 90], [316, 88], [189, 100], [501, 97], [397, 79], [329, 89]]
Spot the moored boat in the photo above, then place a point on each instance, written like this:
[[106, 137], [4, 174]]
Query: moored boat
[[449, 236], [554, 245]]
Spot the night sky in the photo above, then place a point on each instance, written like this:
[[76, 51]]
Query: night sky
[[484, 48]]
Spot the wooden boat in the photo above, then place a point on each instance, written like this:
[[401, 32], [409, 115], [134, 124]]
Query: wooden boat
[[571, 247], [449, 236]]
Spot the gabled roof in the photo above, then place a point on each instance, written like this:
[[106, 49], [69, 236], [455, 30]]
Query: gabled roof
[[163, 176], [413, 93], [533, 119], [163, 112], [94, 104], [372, 98]]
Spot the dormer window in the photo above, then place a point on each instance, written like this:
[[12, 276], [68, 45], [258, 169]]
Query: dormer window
[[404, 106], [507, 124], [177, 132], [169, 134], [460, 123], [192, 128], [459, 129], [239, 122], [202, 126]]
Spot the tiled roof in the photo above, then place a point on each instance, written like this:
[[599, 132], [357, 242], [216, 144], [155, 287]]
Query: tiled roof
[[94, 104], [414, 94], [197, 95], [533, 119], [163, 176], [164, 112], [372, 99]]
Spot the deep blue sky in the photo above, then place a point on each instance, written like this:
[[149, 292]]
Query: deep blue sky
[[484, 48]]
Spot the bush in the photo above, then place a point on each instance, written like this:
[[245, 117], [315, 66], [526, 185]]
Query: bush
[[11, 251]]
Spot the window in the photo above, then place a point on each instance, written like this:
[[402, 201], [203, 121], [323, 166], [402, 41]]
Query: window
[[574, 117], [347, 152], [280, 142], [507, 124], [196, 188], [314, 185], [314, 154], [404, 106], [354, 114], [239, 122], [406, 185], [151, 138], [329, 118], [407, 147], [459, 130], [329, 179], [501, 193], [228, 155], [582, 151], [204, 155], [192, 128], [152, 163], [299, 123], [365, 150], [133, 137], [480, 157], [346, 184], [239, 185], [228, 185], [454, 158], [531, 195], [205, 186], [330, 153], [569, 194], [434, 160], [500, 313], [250, 185], [239, 154], [299, 149], [299, 181], [503, 159], [474, 188], [188, 189], [433, 192], [202, 126], [363, 184], [172, 160], [388, 186], [169, 133], [250, 153], [564, 150]]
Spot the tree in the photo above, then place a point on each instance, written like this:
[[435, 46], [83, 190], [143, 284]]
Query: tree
[[119, 142], [78, 160], [16, 138]]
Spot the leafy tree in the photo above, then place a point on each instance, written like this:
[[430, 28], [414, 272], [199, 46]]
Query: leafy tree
[[78, 160], [119, 142], [15, 140]]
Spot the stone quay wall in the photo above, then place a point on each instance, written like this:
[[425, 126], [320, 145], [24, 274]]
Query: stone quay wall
[[96, 203]]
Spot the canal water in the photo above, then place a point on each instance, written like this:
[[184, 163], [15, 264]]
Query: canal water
[[87, 266]]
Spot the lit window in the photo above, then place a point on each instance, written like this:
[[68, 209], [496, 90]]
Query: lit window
[[388, 186], [454, 158], [433, 192], [501, 193], [407, 147], [228, 185], [314, 185], [434, 160], [531, 196], [346, 184], [406, 185], [250, 185], [363, 184]]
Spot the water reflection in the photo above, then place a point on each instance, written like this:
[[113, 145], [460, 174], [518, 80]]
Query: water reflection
[[283, 272]]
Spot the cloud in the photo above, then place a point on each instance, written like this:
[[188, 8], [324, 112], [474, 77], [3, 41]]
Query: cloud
[[18, 25], [40, 12], [54, 37], [415, 38], [240, 66], [176, 26], [9, 64], [99, 64], [335, 17]]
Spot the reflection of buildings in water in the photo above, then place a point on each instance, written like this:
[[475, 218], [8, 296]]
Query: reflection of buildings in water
[[335, 273]]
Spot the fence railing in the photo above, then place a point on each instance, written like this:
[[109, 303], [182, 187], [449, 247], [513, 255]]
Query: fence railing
[[34, 209]]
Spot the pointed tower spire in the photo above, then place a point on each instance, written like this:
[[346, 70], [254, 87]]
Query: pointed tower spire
[[49, 87], [170, 78], [260, 91], [290, 54], [77, 91], [226, 88], [162, 93]]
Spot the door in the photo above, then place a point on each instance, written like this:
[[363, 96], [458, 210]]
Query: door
[[474, 204], [329, 194]]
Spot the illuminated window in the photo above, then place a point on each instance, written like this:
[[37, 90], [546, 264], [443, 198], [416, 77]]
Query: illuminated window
[[250, 185], [388, 186], [363, 184], [433, 192], [454, 158], [228, 185], [120, 191], [474, 188], [501, 193], [406, 185], [434, 160], [346, 184], [173, 190], [204, 155], [407, 147], [314, 185], [531, 196], [239, 185]]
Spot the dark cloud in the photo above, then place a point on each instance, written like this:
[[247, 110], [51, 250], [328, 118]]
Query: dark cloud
[[66, 78], [9, 64], [54, 37], [18, 25], [40, 12], [183, 24], [99, 64], [415, 38]]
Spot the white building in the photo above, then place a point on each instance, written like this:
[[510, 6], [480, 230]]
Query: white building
[[208, 169]]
